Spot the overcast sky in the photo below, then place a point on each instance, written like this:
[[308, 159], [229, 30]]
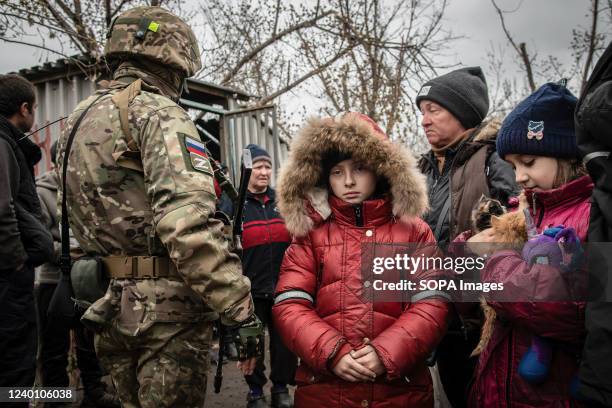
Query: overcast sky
[[545, 25]]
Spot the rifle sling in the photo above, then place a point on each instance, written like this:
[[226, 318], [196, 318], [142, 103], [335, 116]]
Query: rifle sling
[[65, 261]]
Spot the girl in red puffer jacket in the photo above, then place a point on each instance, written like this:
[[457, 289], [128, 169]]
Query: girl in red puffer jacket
[[538, 139], [346, 185]]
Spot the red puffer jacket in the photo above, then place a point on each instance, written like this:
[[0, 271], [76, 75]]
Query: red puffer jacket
[[320, 309], [497, 382]]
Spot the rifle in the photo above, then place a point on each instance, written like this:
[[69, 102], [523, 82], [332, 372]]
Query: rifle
[[245, 175], [222, 179]]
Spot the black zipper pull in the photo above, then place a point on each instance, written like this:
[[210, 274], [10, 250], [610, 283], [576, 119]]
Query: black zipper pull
[[358, 215]]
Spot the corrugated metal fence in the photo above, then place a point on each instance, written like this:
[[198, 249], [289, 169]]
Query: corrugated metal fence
[[254, 125], [56, 99]]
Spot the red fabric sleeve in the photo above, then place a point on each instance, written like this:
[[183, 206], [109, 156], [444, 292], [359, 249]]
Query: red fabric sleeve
[[301, 328], [562, 320], [218, 191], [412, 338], [414, 335]]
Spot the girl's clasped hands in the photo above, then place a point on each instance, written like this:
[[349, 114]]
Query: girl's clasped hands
[[362, 365]]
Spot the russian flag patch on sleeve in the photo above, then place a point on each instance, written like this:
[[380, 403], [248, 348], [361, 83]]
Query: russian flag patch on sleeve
[[195, 154]]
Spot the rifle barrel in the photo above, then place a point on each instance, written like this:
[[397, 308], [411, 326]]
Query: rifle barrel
[[245, 175]]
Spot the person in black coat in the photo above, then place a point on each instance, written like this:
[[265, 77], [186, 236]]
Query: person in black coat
[[25, 243], [264, 241], [594, 138]]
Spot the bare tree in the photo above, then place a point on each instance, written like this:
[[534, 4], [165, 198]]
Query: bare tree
[[395, 47], [340, 55], [521, 49], [586, 44], [78, 26]]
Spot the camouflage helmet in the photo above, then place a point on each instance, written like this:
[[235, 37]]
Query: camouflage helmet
[[156, 34]]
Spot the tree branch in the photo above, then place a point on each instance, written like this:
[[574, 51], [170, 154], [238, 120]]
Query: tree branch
[[42, 47], [40, 23], [107, 12], [249, 56], [527, 63], [309, 75], [278, 4], [62, 22], [117, 9], [521, 49], [592, 44]]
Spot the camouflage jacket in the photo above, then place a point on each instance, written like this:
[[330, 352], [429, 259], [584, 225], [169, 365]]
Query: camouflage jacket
[[157, 199]]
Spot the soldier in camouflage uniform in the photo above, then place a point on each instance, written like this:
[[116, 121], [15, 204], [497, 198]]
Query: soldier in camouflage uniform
[[140, 195]]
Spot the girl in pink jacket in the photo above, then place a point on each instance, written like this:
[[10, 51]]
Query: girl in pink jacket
[[538, 139]]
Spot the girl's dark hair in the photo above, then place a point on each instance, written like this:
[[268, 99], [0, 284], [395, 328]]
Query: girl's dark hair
[[14, 91], [329, 160], [382, 187], [333, 157]]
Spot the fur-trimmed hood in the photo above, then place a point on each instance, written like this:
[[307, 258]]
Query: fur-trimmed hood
[[487, 132], [483, 135], [302, 202]]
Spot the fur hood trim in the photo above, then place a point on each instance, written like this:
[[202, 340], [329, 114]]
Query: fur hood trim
[[303, 204], [488, 131]]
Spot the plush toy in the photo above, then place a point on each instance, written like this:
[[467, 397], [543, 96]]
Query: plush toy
[[560, 247]]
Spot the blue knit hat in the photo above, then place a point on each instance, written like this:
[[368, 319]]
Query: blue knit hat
[[541, 125], [258, 153]]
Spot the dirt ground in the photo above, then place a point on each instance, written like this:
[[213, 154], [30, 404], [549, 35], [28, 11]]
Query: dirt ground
[[234, 389]]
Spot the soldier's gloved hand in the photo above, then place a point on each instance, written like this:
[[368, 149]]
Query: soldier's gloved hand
[[249, 338]]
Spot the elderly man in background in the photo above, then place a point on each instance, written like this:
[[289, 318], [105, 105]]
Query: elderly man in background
[[461, 166], [265, 240]]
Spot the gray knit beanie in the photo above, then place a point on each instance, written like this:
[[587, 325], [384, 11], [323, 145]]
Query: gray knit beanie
[[463, 92]]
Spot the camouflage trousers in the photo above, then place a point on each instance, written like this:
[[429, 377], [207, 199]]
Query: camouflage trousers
[[165, 366]]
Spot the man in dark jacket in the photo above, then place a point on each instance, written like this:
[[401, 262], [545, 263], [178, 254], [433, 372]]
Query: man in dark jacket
[[594, 137], [264, 241], [24, 241], [55, 336], [461, 166]]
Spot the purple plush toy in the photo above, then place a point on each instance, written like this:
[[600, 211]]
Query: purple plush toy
[[560, 247]]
